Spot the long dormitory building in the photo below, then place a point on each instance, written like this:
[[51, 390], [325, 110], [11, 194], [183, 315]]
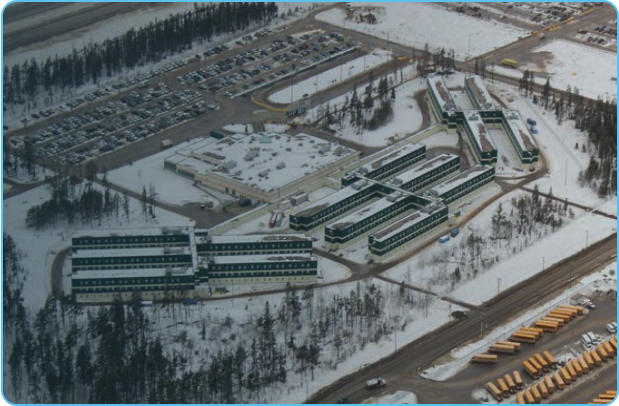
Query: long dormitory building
[[473, 122], [180, 262]]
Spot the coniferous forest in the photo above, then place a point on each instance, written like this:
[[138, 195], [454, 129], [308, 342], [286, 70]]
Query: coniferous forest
[[135, 48]]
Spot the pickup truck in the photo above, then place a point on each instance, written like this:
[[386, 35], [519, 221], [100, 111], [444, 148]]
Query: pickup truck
[[375, 383]]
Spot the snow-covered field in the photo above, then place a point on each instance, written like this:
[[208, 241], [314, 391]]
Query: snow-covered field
[[239, 128], [397, 398], [39, 247], [326, 79], [589, 69], [558, 145], [170, 187], [418, 24]]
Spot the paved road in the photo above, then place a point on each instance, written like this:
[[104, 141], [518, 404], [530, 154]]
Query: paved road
[[402, 367]]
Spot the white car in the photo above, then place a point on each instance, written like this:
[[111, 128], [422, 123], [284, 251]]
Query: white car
[[611, 328]]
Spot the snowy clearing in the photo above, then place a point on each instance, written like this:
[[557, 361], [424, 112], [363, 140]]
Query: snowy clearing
[[39, 247], [326, 79], [398, 398], [170, 187], [418, 24]]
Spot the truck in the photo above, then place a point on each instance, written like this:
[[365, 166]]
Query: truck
[[375, 383], [512, 63], [166, 144]]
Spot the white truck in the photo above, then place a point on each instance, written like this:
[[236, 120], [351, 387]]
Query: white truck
[[166, 144], [375, 383]]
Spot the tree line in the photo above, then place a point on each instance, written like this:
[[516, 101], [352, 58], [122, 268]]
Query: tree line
[[596, 118], [135, 48]]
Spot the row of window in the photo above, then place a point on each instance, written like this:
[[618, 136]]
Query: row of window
[[218, 275], [251, 246], [180, 259], [395, 166], [129, 240], [103, 289], [409, 233], [467, 188], [258, 267], [267, 252], [131, 281], [77, 268], [429, 177], [266, 280]]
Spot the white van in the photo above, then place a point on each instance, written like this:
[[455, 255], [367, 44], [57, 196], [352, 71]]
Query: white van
[[586, 340]]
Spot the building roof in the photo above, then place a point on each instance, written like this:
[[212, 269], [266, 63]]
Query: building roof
[[132, 252], [368, 211], [480, 132], [132, 232], [246, 158], [252, 259], [132, 273], [405, 223], [477, 86], [439, 88], [392, 156], [422, 169], [333, 198], [457, 180], [520, 130], [230, 239]]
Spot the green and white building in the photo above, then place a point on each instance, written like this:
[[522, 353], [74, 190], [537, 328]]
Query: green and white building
[[464, 184]]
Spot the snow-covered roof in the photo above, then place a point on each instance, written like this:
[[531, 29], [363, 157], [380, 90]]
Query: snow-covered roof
[[132, 252], [482, 96], [479, 132], [249, 259], [131, 232], [456, 181], [133, 273], [228, 239], [422, 169], [368, 211], [520, 131], [439, 88], [390, 157], [256, 163], [327, 201], [405, 223]]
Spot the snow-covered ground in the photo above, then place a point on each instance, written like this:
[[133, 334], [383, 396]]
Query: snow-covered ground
[[397, 398], [588, 69], [326, 79], [557, 143], [420, 24], [602, 280], [239, 128], [407, 116], [39, 247], [170, 187]]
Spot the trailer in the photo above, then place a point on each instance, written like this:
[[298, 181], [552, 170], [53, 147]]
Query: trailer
[[543, 390], [518, 380], [558, 380], [494, 391], [528, 397], [530, 369], [548, 327], [550, 359], [524, 338], [549, 384], [510, 383], [583, 364], [560, 322], [503, 387], [589, 360], [566, 376], [510, 343], [576, 366], [540, 360], [536, 395], [579, 309], [501, 349], [484, 359]]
